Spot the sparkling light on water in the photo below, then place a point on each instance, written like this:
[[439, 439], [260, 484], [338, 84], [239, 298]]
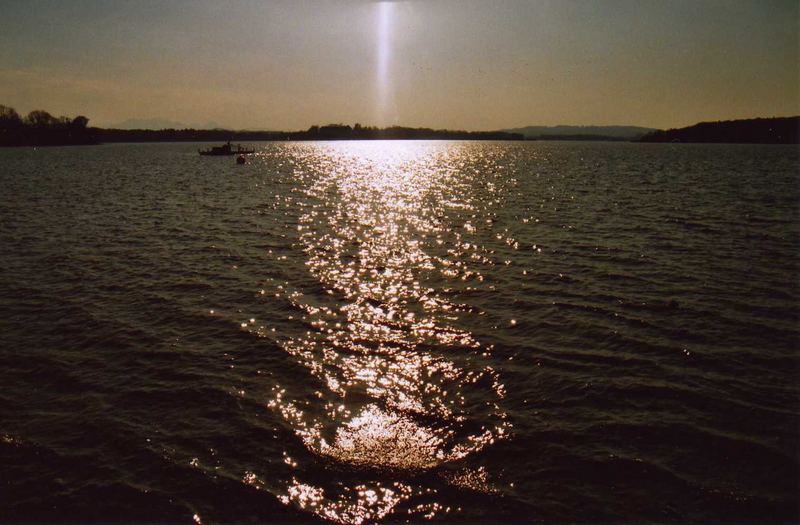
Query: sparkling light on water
[[404, 388]]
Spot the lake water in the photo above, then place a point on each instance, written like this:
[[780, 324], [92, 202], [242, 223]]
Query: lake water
[[400, 331]]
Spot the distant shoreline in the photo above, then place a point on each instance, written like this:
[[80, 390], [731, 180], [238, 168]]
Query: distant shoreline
[[39, 128]]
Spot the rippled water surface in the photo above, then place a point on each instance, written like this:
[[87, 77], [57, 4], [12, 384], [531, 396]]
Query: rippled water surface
[[393, 331]]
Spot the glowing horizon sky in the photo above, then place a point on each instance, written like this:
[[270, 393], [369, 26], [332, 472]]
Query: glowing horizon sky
[[465, 64]]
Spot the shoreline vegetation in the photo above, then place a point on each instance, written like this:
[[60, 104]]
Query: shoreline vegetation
[[327, 132], [776, 130], [40, 128]]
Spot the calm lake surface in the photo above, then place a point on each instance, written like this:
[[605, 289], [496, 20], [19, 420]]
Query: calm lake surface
[[368, 332]]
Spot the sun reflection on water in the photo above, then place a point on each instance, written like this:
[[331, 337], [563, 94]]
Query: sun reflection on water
[[403, 389]]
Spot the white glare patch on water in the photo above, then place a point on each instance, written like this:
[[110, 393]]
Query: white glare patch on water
[[404, 388], [356, 505]]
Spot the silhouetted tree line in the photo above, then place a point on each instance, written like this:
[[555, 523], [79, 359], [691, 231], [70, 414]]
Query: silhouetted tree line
[[40, 128], [359, 132], [785, 130], [327, 132]]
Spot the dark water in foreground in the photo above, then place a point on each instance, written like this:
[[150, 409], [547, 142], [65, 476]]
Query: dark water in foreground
[[361, 332]]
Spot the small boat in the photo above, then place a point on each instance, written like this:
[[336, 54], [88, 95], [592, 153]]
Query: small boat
[[226, 149]]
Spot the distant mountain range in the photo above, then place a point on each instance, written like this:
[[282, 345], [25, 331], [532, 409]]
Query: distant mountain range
[[582, 132]]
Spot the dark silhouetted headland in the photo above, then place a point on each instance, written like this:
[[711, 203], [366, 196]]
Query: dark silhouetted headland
[[40, 128], [785, 130]]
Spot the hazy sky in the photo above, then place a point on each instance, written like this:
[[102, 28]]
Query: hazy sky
[[482, 64]]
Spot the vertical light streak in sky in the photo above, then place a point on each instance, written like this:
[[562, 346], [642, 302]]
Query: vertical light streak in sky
[[384, 56]]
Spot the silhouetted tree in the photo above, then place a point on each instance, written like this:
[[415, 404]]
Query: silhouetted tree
[[79, 122], [40, 119], [9, 118]]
